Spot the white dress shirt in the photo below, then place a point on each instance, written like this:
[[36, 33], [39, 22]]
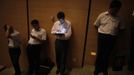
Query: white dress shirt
[[39, 34], [14, 41], [108, 24], [64, 28]]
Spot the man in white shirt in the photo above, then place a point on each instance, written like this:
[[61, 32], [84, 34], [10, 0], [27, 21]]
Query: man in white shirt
[[62, 31], [108, 27], [37, 38], [14, 43]]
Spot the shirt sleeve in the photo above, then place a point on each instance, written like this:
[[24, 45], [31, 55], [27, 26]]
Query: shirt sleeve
[[15, 35], [44, 35], [16, 38], [97, 22], [69, 32], [54, 28]]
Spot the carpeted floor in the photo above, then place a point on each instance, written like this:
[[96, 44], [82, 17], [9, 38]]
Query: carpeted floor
[[87, 70]]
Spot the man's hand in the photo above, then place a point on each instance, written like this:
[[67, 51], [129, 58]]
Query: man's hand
[[38, 39], [33, 36]]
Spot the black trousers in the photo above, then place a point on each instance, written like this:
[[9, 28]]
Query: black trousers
[[33, 54], [61, 54], [105, 46], [131, 53], [14, 55]]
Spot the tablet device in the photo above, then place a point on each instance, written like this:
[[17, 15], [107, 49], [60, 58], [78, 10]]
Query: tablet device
[[61, 30]]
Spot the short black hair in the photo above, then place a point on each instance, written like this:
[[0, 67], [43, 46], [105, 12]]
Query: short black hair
[[60, 15], [115, 4], [34, 22]]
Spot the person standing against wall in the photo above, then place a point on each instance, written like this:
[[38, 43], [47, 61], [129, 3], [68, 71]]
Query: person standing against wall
[[62, 31], [14, 43], [37, 38], [108, 26]]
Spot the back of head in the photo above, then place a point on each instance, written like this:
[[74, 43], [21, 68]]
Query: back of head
[[60, 15]]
